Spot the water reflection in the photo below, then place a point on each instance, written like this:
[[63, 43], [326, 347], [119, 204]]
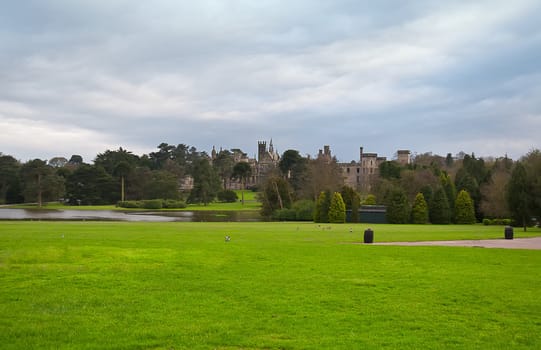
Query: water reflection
[[111, 215]]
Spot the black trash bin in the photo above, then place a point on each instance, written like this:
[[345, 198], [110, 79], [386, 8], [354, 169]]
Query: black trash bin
[[508, 232], [368, 236]]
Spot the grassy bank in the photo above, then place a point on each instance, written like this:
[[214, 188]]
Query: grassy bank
[[274, 285]]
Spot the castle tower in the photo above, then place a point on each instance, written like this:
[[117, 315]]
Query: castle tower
[[261, 150]]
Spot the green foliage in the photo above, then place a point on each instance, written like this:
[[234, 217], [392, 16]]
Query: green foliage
[[129, 204], [227, 196], [304, 210], [173, 204], [151, 203], [321, 213], [242, 171], [206, 183], [487, 222], [464, 210], [439, 208], [285, 214], [419, 211], [519, 196], [389, 170], [337, 209], [450, 190], [397, 206], [275, 194], [300, 211], [370, 200], [91, 185]]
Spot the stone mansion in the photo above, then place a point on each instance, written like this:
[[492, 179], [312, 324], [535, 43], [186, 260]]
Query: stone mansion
[[357, 174]]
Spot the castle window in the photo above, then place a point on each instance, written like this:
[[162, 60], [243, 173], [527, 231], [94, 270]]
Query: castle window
[[358, 170], [347, 170]]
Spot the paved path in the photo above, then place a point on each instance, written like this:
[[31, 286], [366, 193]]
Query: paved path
[[518, 243]]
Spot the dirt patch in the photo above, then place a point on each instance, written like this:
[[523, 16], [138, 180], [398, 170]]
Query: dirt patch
[[519, 243]]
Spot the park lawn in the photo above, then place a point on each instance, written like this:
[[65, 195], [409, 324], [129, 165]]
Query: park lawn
[[106, 285]]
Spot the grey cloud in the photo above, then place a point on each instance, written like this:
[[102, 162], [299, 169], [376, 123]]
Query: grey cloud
[[427, 76]]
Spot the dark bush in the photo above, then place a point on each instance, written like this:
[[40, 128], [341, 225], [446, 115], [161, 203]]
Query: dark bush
[[304, 210], [173, 204], [284, 214], [487, 222], [152, 204], [227, 196], [128, 204]]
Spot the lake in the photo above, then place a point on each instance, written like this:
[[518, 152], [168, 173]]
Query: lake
[[113, 215]]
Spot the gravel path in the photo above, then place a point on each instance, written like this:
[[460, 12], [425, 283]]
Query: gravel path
[[518, 243]]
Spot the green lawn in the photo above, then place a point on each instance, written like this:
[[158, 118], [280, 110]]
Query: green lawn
[[92, 285]]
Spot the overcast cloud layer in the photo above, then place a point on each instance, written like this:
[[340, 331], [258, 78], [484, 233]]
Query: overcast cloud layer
[[80, 77]]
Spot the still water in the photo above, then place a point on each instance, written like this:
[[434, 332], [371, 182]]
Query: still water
[[111, 215]]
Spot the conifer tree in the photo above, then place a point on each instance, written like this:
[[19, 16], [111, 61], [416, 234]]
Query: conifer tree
[[321, 214], [419, 211], [337, 209], [397, 206], [439, 208], [464, 209]]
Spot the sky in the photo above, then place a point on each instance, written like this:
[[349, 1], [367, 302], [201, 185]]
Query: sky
[[81, 77]]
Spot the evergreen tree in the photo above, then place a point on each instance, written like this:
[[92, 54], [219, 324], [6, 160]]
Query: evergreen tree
[[439, 208], [337, 209], [206, 183], [464, 209], [450, 190], [323, 203], [355, 204], [518, 195], [419, 211], [397, 206]]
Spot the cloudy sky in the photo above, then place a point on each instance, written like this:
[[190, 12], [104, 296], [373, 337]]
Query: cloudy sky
[[80, 77]]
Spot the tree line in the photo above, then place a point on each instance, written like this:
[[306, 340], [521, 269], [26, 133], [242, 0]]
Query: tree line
[[432, 188]]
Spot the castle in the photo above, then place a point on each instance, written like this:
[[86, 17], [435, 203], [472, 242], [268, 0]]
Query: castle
[[360, 175], [357, 174]]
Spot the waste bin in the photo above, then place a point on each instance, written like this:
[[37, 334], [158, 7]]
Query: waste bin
[[368, 236], [508, 232]]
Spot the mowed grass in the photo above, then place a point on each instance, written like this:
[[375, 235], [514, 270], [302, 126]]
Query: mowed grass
[[92, 285]]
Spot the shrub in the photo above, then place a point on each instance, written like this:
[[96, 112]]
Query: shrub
[[173, 204], [370, 200], [128, 204], [304, 210], [152, 204], [284, 214], [507, 222], [227, 196], [487, 222]]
